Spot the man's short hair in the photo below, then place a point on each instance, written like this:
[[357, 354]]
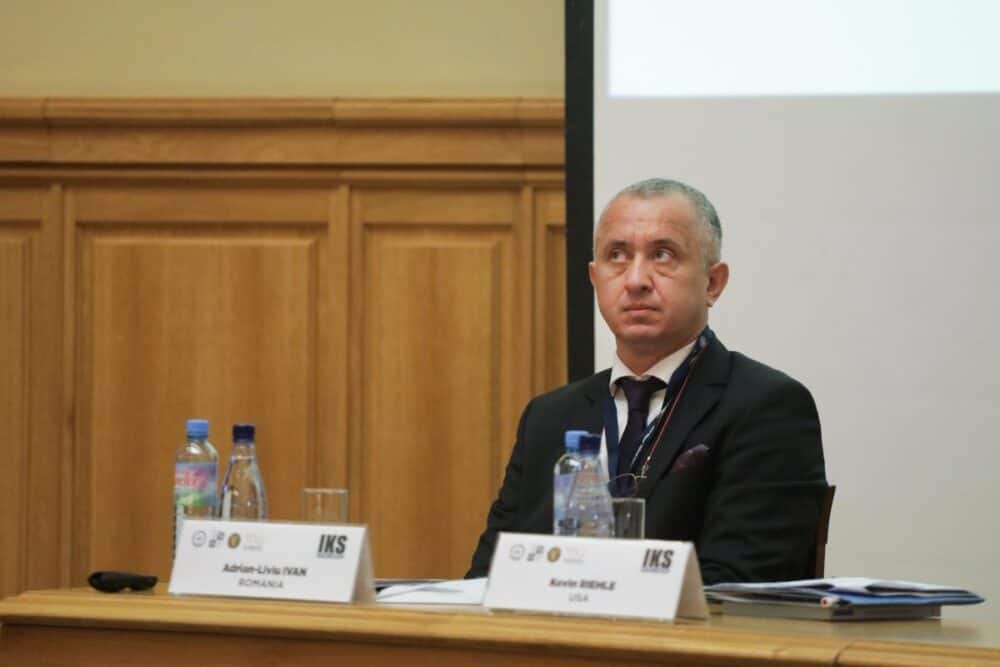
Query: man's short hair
[[707, 217]]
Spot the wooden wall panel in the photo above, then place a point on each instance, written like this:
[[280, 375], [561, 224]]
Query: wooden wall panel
[[14, 401], [444, 366], [216, 320], [30, 383], [550, 290], [378, 284]]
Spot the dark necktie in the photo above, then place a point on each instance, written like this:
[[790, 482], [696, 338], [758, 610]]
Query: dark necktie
[[638, 393]]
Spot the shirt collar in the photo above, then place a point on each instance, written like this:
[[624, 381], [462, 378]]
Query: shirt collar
[[661, 370]]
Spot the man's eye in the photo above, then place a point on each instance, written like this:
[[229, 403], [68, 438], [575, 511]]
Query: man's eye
[[616, 255], [664, 255]]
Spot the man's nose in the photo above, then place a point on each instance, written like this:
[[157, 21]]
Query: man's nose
[[637, 277]]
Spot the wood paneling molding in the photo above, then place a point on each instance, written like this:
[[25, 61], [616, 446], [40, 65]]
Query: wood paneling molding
[[480, 132], [416, 112], [30, 398], [14, 274]]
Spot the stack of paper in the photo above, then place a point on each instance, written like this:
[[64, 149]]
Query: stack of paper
[[838, 598], [436, 591]]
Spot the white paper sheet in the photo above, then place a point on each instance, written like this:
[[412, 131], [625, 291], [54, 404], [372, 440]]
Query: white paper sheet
[[455, 591]]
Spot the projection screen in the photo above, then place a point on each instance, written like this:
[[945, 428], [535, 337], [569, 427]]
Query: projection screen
[[852, 149]]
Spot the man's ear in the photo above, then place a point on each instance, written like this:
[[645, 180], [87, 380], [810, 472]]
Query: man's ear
[[591, 270], [718, 277]]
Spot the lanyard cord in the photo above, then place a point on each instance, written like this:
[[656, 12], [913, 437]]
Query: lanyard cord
[[666, 419]]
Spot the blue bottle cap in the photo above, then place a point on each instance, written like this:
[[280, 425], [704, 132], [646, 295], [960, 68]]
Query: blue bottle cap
[[572, 440], [590, 444], [243, 432], [197, 428]]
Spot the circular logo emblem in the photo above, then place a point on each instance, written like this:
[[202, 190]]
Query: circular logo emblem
[[199, 537], [553, 554], [234, 540], [517, 552]]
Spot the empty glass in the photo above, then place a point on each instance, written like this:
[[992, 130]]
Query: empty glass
[[324, 505], [630, 517]]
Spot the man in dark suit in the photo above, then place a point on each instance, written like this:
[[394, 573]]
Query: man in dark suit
[[725, 450]]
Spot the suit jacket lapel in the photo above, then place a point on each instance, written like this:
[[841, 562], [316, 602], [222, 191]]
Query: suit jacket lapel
[[581, 411], [588, 413], [705, 385]]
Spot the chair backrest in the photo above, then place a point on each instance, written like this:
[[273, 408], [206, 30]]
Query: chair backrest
[[822, 529]]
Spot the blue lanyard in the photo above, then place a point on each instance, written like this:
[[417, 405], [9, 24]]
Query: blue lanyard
[[611, 433]]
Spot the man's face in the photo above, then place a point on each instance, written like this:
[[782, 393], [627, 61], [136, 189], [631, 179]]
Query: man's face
[[653, 286]]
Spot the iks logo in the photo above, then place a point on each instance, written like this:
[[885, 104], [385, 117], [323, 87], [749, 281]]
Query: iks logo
[[657, 560], [331, 546]]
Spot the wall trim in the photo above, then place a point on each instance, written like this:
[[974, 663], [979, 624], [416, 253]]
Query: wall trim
[[370, 112], [345, 132]]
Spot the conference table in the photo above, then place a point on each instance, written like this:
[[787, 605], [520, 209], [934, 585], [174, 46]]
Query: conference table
[[152, 628]]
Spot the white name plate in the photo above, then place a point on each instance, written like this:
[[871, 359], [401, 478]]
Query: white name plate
[[600, 577], [259, 559]]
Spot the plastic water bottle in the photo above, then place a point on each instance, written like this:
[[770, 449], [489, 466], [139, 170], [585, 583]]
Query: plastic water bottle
[[562, 481], [243, 494], [196, 477], [589, 507]]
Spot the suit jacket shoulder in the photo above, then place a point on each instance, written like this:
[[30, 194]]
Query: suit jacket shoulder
[[590, 389], [751, 370]]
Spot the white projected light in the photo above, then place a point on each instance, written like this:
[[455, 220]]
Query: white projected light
[[709, 48], [852, 149]]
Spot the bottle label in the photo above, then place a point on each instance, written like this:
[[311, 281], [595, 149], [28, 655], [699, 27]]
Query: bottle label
[[195, 484]]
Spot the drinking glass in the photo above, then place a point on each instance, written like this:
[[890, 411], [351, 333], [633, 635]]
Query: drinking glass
[[630, 517], [324, 505]]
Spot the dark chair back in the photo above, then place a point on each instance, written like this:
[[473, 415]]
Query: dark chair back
[[822, 528]]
